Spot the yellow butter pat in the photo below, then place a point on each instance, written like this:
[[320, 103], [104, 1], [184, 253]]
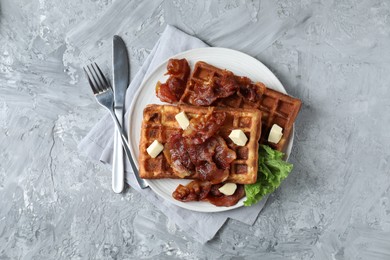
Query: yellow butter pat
[[238, 137], [182, 119], [275, 134], [155, 149], [228, 189]]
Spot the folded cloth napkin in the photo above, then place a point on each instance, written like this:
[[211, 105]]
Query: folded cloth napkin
[[98, 144]]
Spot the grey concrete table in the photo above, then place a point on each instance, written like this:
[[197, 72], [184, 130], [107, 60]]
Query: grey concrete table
[[334, 55]]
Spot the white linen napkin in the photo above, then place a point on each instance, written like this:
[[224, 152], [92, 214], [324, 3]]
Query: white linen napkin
[[98, 144]]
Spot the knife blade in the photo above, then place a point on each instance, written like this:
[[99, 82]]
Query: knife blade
[[120, 68]]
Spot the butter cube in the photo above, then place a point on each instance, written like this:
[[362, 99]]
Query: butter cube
[[275, 134], [182, 119], [154, 149], [228, 189], [238, 137]]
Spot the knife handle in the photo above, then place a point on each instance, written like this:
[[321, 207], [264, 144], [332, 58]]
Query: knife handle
[[118, 162]]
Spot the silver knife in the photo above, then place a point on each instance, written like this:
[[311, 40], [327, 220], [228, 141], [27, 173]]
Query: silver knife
[[120, 68]]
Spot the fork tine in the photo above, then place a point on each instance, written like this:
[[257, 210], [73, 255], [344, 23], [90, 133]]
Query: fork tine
[[91, 84], [105, 82], [95, 78]]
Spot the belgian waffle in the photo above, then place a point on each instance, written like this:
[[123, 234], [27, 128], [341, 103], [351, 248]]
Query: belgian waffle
[[159, 123], [276, 107]]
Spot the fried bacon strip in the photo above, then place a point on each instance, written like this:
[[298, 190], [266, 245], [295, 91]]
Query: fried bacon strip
[[202, 128], [216, 87], [178, 157], [193, 191], [250, 91], [200, 152], [205, 191], [172, 90], [219, 199], [210, 161]]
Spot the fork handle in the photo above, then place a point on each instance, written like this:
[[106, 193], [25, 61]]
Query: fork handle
[[141, 182]]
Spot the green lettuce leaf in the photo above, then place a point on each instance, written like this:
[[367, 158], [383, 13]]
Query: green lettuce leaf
[[271, 172]]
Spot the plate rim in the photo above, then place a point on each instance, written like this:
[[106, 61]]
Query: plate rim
[[186, 205]]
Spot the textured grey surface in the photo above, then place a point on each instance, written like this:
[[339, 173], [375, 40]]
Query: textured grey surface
[[334, 55]]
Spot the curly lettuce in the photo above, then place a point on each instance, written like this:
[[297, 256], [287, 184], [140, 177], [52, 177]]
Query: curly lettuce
[[272, 170]]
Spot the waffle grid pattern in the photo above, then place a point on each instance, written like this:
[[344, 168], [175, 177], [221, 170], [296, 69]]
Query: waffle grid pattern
[[159, 123], [276, 107]]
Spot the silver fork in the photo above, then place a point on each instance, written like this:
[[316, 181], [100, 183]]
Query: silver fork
[[105, 97]]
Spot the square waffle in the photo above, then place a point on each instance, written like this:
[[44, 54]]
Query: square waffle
[[276, 107], [159, 123]]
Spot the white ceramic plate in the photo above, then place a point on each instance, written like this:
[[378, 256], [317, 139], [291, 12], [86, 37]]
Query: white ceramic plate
[[235, 61]]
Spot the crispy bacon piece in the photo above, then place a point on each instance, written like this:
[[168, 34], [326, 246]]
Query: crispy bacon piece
[[203, 127], [202, 152], [208, 171], [205, 191], [216, 87], [248, 90], [172, 90], [210, 165], [226, 85], [218, 199], [223, 155], [209, 160], [178, 69], [204, 94], [193, 191], [178, 157]]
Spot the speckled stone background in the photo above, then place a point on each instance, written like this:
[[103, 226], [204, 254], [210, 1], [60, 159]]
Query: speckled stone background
[[334, 55]]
